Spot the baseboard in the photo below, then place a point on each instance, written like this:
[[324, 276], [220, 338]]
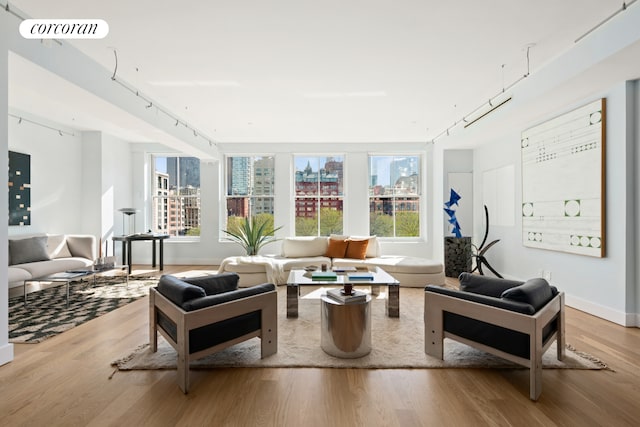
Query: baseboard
[[607, 313], [6, 353]]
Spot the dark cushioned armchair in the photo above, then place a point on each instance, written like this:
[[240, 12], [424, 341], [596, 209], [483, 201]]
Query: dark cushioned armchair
[[203, 315], [514, 320]]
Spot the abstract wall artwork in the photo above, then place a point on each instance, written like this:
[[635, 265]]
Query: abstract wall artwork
[[563, 178], [19, 188]]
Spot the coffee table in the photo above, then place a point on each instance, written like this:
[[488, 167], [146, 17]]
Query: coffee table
[[298, 278]]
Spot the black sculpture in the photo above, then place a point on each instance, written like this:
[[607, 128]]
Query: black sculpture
[[481, 250]]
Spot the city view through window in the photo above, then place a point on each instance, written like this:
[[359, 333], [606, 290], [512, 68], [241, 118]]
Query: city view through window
[[250, 189], [176, 196], [319, 195], [394, 196]]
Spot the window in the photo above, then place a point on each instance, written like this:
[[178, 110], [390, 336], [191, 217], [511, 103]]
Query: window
[[394, 196], [250, 183], [176, 196], [319, 195]]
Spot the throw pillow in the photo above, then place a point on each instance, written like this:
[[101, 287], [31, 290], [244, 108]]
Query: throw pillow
[[215, 284], [535, 292], [31, 249], [337, 248], [485, 285], [57, 246], [357, 249], [177, 290]]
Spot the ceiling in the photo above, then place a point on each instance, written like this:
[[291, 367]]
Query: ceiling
[[305, 71]]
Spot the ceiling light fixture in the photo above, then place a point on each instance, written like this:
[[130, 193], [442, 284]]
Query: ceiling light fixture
[[625, 6], [159, 108], [60, 131]]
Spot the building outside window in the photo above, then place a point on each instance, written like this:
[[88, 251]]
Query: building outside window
[[176, 196], [250, 184], [394, 196], [319, 195]]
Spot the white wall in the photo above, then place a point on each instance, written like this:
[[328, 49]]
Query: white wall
[[56, 175], [597, 285]]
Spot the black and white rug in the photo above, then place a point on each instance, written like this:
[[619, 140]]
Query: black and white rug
[[46, 313]]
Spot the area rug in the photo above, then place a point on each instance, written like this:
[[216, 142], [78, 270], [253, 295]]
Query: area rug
[[46, 313], [396, 343]]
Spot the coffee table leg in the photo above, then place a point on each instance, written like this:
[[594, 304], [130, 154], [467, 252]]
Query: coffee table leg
[[24, 289], [68, 293], [292, 300], [392, 303]]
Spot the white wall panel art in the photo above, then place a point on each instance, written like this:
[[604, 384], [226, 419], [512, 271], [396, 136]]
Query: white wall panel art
[[563, 181]]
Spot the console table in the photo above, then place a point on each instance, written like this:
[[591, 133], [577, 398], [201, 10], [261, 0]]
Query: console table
[[126, 247]]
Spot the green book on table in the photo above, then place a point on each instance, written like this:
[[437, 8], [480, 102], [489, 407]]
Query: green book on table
[[324, 275]]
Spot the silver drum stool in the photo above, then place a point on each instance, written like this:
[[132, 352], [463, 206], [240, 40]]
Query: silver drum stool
[[346, 328]]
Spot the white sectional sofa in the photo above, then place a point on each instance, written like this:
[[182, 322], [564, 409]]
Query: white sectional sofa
[[298, 252], [43, 254]]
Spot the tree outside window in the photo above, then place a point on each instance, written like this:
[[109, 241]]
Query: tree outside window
[[176, 196], [319, 195], [394, 196]]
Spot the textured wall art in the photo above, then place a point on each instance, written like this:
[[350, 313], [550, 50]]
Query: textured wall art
[[19, 188], [563, 182]]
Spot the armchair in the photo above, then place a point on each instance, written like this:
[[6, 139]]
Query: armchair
[[203, 315], [513, 320]]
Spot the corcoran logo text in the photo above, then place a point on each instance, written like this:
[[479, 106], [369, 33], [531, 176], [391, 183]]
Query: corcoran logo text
[[64, 28]]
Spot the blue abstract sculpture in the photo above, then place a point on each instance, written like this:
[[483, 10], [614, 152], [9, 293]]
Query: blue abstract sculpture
[[453, 200]]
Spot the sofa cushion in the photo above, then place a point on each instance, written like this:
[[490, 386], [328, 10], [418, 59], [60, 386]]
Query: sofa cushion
[[57, 246], [39, 269], [177, 290], [337, 248], [298, 247], [357, 249], [26, 250], [485, 285], [373, 248], [215, 284], [535, 292]]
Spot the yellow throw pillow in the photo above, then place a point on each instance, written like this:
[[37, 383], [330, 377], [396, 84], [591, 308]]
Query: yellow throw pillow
[[337, 248], [357, 249]]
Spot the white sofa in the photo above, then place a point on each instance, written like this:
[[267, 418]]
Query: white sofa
[[43, 254], [298, 252]]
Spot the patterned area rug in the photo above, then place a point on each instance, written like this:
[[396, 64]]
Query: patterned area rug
[[396, 342], [46, 313]]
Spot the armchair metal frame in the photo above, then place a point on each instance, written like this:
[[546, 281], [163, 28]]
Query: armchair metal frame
[[436, 305], [187, 321]]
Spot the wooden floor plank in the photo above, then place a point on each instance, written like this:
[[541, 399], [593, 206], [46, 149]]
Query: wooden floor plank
[[65, 381]]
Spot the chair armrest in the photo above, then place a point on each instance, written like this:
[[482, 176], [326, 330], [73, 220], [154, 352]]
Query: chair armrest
[[212, 300], [518, 307]]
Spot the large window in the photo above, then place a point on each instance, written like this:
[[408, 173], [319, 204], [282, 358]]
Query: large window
[[176, 196], [394, 196], [250, 183], [319, 195]]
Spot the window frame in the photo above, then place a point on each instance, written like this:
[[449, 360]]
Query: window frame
[[318, 197], [420, 196], [153, 211], [224, 191]]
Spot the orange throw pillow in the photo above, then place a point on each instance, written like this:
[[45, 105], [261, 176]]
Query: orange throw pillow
[[357, 249], [337, 248]]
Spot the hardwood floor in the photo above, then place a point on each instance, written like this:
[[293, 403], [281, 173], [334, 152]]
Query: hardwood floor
[[66, 381]]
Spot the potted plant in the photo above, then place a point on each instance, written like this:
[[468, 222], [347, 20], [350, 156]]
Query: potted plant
[[252, 234]]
